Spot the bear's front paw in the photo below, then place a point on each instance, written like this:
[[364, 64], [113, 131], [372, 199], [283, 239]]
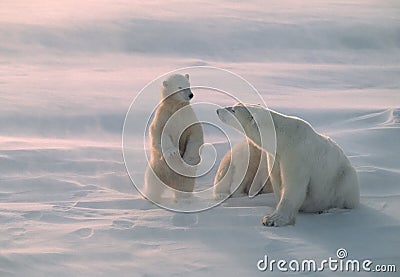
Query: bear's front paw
[[276, 220]]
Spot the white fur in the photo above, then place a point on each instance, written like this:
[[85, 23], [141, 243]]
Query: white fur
[[310, 173], [175, 139], [243, 170]]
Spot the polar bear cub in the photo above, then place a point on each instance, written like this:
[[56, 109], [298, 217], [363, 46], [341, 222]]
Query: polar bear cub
[[310, 173], [243, 170], [176, 136]]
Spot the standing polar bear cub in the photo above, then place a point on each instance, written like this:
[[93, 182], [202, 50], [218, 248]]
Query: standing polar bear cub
[[175, 140], [310, 173]]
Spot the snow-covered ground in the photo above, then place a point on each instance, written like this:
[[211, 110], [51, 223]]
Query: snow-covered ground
[[68, 73]]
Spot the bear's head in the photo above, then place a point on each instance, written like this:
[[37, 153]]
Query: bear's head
[[177, 88], [237, 116], [252, 120]]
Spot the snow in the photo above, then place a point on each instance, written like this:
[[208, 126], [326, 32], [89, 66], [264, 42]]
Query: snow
[[68, 76]]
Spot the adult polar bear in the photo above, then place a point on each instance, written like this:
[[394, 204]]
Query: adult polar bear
[[310, 173], [175, 134]]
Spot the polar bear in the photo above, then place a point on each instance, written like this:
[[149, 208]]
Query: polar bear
[[310, 173], [176, 136], [243, 170]]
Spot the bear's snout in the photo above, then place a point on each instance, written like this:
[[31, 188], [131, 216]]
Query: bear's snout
[[191, 95]]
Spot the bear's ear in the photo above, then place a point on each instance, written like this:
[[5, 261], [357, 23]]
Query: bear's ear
[[187, 76], [165, 83]]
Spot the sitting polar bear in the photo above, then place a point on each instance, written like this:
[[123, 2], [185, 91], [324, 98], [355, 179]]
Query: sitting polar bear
[[243, 170], [310, 173], [175, 134]]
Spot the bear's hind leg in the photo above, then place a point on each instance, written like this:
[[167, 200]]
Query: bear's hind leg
[[184, 187], [153, 187], [349, 194], [223, 180]]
